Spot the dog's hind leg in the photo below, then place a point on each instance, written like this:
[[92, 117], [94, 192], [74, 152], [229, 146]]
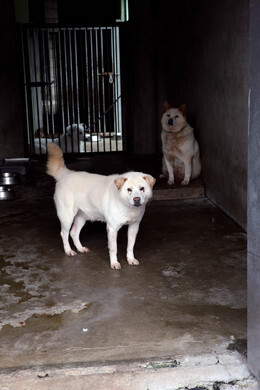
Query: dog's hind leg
[[112, 246], [65, 229], [78, 224]]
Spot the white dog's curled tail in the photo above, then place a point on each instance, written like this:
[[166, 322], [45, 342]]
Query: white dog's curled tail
[[55, 163]]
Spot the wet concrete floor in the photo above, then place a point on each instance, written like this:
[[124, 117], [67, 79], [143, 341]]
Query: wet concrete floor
[[187, 296]]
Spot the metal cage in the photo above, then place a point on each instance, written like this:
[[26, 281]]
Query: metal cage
[[72, 88]]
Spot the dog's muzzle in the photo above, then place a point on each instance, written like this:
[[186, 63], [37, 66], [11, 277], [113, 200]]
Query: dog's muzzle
[[137, 201], [170, 122]]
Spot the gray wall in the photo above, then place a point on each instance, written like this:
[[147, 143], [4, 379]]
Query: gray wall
[[156, 51], [253, 196], [217, 97], [195, 53]]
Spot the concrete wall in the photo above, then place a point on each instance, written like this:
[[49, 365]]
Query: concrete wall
[[195, 52], [216, 92], [155, 49], [253, 196]]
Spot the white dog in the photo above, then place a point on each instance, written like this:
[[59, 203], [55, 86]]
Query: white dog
[[70, 141], [116, 199]]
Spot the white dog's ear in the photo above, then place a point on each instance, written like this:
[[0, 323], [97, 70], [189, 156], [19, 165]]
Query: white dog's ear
[[183, 109], [166, 106], [150, 180], [119, 182]]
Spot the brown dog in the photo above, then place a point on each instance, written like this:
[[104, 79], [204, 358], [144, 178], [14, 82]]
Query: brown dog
[[181, 155]]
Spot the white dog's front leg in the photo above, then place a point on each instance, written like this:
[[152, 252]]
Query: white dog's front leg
[[170, 171], [112, 246], [132, 233]]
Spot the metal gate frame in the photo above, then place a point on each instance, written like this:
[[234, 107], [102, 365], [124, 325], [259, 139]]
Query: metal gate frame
[[72, 88]]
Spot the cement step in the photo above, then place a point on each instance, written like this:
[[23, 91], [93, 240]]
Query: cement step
[[208, 372], [164, 191]]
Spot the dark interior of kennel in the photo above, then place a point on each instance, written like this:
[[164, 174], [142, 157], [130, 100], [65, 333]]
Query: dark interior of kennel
[[198, 52]]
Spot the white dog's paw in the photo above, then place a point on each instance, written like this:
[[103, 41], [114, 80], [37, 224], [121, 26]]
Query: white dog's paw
[[185, 182], [115, 265], [71, 253], [132, 261], [83, 249], [170, 182]]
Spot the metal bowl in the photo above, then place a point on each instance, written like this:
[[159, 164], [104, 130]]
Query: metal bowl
[[10, 179], [7, 193]]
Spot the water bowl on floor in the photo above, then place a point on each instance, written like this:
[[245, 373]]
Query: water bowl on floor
[[10, 179], [7, 193]]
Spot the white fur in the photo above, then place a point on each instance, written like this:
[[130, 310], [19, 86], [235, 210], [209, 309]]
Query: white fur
[[116, 199], [70, 141]]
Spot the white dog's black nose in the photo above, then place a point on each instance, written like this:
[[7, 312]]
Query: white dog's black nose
[[170, 122], [137, 201]]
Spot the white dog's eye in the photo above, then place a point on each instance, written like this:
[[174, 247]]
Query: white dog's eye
[[129, 190], [168, 115], [176, 116], [142, 189]]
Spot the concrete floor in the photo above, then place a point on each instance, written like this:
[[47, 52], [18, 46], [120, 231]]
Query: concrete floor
[[178, 320]]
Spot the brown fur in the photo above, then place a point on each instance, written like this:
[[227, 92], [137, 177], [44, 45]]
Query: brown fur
[[181, 158], [55, 164], [119, 182]]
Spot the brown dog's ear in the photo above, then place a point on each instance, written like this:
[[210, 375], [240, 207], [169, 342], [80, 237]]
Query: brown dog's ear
[[119, 182], [183, 109], [166, 106], [150, 180]]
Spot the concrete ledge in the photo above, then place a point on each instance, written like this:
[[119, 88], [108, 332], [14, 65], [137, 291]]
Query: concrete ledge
[[163, 191], [203, 372]]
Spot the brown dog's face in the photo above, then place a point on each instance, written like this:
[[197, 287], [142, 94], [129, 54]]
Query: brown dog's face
[[173, 119]]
